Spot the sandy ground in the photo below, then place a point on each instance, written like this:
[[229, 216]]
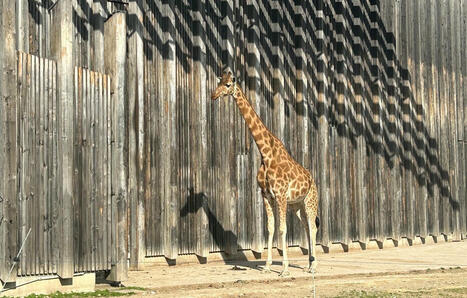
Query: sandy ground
[[428, 270]]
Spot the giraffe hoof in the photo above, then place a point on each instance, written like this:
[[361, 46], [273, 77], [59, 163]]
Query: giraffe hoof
[[284, 273], [311, 269]]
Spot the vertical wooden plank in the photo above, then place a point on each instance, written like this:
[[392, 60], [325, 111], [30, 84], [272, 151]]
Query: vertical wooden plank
[[136, 109], [49, 163], [183, 77], [93, 166], [34, 206], [32, 29], [22, 28], [452, 112], [359, 154], [433, 104], [22, 95], [462, 111], [27, 166], [83, 236], [422, 129], [32, 169], [152, 103], [406, 109], [443, 123], [418, 127], [46, 168], [115, 47], [108, 170], [77, 163], [97, 17], [198, 139], [46, 163], [392, 22], [40, 111], [342, 120], [170, 198], [323, 134], [93, 170], [161, 147], [159, 128], [100, 148], [55, 210], [62, 49], [421, 120]]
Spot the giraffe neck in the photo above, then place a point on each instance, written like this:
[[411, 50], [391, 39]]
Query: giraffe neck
[[260, 133]]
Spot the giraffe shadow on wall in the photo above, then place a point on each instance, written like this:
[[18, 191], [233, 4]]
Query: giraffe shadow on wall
[[197, 201]]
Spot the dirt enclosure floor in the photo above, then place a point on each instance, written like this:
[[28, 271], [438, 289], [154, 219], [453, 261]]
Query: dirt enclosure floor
[[424, 270]]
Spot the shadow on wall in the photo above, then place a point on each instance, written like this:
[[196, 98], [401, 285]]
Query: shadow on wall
[[220, 236], [196, 201], [355, 44]]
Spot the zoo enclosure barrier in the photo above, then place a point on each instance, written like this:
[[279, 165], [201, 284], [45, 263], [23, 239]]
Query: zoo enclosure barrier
[[369, 95]]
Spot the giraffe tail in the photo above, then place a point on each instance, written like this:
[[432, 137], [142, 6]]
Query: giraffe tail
[[317, 222]]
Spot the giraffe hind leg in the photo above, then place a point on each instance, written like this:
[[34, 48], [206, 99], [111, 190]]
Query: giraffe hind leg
[[269, 204], [312, 252], [282, 212]]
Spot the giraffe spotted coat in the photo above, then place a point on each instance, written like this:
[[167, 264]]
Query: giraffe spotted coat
[[284, 183]]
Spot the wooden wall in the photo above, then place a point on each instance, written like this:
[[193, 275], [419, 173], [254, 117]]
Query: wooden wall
[[369, 95]]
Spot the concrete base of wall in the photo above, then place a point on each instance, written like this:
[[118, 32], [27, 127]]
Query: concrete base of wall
[[248, 255], [49, 284]]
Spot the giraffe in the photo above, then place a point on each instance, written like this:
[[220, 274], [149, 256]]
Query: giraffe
[[283, 182]]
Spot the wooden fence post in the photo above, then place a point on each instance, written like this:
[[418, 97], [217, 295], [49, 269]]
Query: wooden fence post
[[62, 52], [114, 65], [8, 154], [199, 140], [323, 132], [136, 143], [303, 146], [170, 203]]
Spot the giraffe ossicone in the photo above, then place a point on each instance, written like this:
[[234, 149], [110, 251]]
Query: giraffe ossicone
[[284, 182]]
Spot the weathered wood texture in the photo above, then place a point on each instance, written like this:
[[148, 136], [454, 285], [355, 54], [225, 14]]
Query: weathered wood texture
[[92, 171], [364, 109], [61, 48], [8, 137], [37, 165], [346, 86], [369, 95], [38, 206], [114, 65]]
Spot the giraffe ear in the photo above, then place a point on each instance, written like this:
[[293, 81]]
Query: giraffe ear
[[218, 80]]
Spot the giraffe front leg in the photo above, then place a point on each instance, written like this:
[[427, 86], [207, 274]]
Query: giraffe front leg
[[268, 204], [314, 230], [283, 235]]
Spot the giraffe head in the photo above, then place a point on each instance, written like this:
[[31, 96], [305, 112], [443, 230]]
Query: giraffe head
[[225, 87]]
